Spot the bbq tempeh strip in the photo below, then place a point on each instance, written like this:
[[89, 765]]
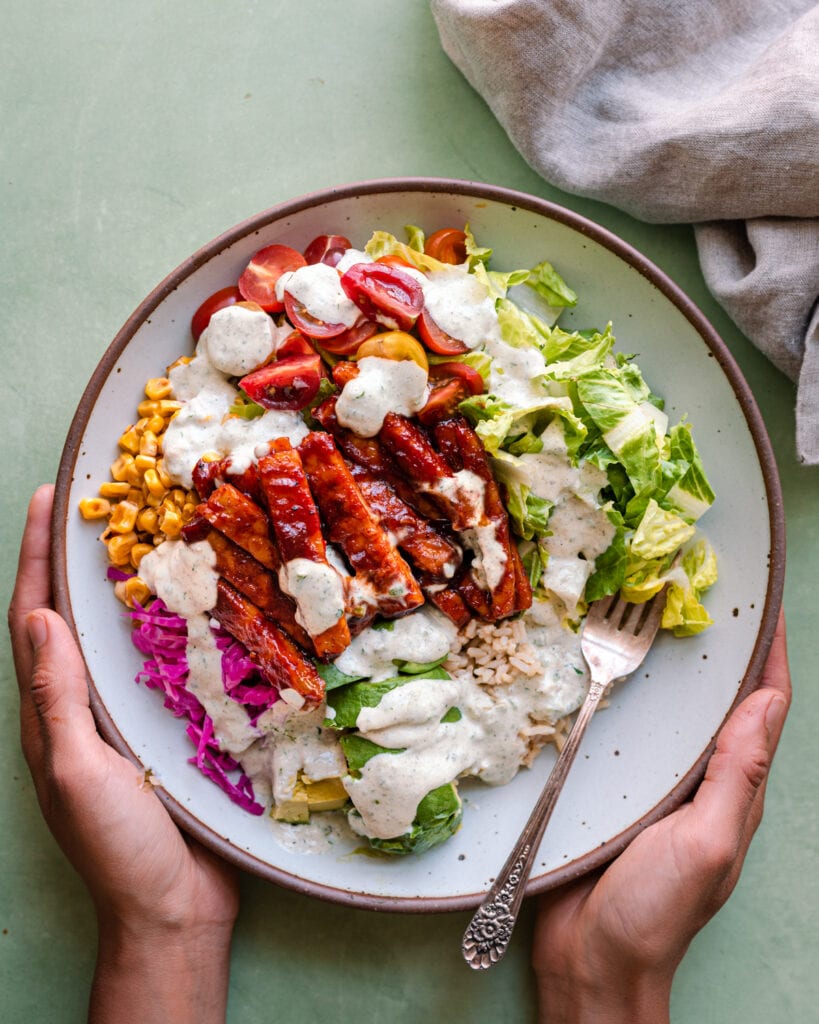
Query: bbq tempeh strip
[[208, 474], [429, 551], [357, 530], [450, 602], [367, 453], [430, 472], [305, 574], [462, 448], [242, 521], [278, 658], [258, 585]]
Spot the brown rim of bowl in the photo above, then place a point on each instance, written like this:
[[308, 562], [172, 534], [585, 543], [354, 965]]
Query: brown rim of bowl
[[647, 269]]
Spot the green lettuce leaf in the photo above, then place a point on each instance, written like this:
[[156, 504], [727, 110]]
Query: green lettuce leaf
[[549, 285], [438, 817], [609, 568]]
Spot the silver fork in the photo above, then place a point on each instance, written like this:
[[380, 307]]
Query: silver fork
[[616, 638]]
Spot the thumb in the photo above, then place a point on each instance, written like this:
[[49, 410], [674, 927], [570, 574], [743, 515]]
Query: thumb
[[56, 716], [729, 798]]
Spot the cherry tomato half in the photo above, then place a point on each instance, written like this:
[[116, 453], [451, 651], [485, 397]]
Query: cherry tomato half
[[443, 401], [436, 340], [395, 345], [447, 245], [384, 293], [289, 383], [303, 321], [219, 300], [327, 249], [260, 276], [459, 371], [347, 342], [295, 344], [395, 261]]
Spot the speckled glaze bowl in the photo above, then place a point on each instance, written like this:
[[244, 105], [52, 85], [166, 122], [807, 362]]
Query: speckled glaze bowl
[[642, 756]]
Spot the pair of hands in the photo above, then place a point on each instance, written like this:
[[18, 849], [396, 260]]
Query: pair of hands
[[605, 949]]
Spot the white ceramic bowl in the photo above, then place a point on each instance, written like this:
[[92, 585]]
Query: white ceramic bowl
[[646, 752]]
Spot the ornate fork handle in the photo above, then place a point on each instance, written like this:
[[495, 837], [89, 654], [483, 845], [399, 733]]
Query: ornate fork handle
[[487, 937]]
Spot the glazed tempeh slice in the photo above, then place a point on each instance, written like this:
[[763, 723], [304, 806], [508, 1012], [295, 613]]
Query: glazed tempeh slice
[[208, 474], [355, 527], [501, 572], [306, 575], [428, 550], [279, 660], [367, 453], [258, 585], [242, 521]]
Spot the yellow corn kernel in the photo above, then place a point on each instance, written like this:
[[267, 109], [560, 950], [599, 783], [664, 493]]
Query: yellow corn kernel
[[158, 387], [154, 485], [141, 425], [156, 424], [147, 520], [123, 518], [169, 406], [147, 443], [138, 552], [143, 462], [153, 500], [119, 468], [94, 508], [134, 475], [148, 408], [136, 496], [188, 510], [178, 496], [131, 590], [112, 489], [130, 441], [170, 523], [119, 547], [163, 475]]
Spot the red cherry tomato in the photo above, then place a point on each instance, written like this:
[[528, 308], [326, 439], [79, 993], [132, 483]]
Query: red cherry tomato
[[327, 249], [289, 383], [443, 401], [303, 321], [295, 344], [436, 340], [219, 300], [258, 281], [458, 371], [384, 293], [395, 261], [349, 342], [447, 245]]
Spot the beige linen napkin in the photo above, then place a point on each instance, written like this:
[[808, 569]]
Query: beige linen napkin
[[705, 111]]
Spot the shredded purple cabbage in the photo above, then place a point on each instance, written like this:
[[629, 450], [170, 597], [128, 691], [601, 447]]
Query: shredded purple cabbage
[[161, 636]]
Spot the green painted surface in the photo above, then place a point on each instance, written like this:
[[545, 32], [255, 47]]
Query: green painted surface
[[132, 134]]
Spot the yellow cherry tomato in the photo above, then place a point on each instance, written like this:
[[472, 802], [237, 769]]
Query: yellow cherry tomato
[[396, 345]]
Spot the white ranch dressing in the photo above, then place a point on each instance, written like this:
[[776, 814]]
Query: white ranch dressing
[[459, 304], [318, 591], [184, 577], [381, 386], [490, 741], [238, 340], [318, 288], [203, 424], [422, 637]]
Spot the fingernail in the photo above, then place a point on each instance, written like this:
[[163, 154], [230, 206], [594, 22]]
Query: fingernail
[[775, 714], [37, 630]]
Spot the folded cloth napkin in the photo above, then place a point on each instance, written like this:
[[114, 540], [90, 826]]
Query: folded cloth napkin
[[705, 112]]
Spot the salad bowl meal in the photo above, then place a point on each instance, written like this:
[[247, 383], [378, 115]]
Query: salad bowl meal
[[333, 509]]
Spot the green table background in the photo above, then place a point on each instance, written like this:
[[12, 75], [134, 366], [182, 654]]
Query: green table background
[[132, 134]]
